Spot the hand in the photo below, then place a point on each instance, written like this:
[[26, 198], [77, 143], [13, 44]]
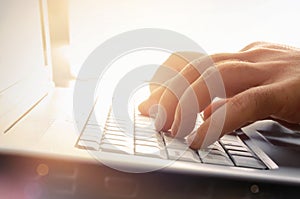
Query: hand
[[262, 80]]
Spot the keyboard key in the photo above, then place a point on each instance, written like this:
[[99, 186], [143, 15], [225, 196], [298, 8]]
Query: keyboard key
[[88, 137], [214, 149], [112, 121], [175, 143], [118, 142], [116, 148], [96, 135], [232, 143], [143, 119], [230, 138], [186, 155], [242, 161], [119, 133], [93, 126], [145, 126], [118, 128], [150, 143], [153, 138], [241, 153], [216, 146], [116, 124], [89, 145], [236, 148], [92, 122], [217, 159], [144, 130], [145, 135], [92, 129], [204, 152], [117, 137], [150, 151], [111, 116]]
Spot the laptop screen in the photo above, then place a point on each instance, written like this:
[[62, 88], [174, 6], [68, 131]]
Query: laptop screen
[[24, 69]]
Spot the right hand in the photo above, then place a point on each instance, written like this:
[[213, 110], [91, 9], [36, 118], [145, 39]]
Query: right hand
[[262, 80]]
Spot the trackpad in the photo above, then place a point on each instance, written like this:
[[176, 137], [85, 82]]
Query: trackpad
[[283, 136]]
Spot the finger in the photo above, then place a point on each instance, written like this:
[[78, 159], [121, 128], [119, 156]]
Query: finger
[[147, 106], [213, 107], [168, 102], [167, 88], [176, 61], [255, 52], [190, 72], [251, 105], [172, 93], [227, 80], [164, 75]]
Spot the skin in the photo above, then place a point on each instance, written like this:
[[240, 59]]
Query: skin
[[261, 81]]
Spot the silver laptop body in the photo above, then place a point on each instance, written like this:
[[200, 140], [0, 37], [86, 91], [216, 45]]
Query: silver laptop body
[[54, 156]]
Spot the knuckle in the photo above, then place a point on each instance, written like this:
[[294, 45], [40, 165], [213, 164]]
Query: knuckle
[[260, 51], [249, 104], [262, 102], [288, 106], [255, 44], [217, 124], [229, 64], [223, 67], [238, 103], [175, 55], [258, 97], [258, 100], [165, 97], [180, 56], [189, 101], [267, 100], [236, 66], [210, 71]]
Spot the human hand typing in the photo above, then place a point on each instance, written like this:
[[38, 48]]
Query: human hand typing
[[260, 81]]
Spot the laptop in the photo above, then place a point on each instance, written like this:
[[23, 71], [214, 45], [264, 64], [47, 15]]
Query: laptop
[[46, 153]]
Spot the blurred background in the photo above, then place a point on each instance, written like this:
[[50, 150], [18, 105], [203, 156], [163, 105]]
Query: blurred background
[[77, 27], [216, 25]]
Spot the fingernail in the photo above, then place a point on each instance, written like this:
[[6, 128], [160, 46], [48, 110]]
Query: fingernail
[[174, 129], [148, 107], [153, 111], [143, 107]]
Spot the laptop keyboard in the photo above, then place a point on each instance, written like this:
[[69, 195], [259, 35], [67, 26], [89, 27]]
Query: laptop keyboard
[[141, 139]]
